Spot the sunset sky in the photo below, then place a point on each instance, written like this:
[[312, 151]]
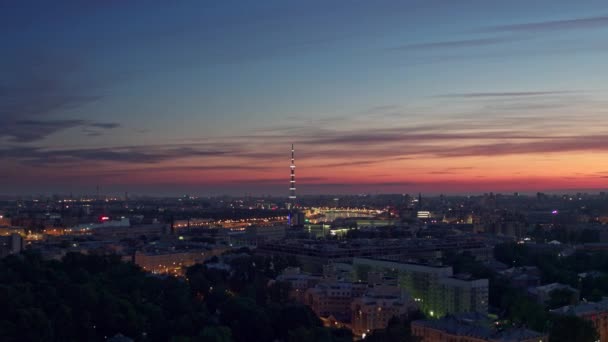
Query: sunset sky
[[206, 97]]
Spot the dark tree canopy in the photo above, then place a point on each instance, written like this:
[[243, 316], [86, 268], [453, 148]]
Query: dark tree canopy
[[92, 298], [572, 328]]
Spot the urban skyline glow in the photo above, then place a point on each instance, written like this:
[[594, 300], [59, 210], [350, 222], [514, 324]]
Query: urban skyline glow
[[390, 96]]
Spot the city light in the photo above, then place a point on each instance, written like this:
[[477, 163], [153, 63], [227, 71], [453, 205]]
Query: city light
[[451, 161]]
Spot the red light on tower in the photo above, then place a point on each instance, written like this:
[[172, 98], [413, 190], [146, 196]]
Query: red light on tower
[[105, 218]]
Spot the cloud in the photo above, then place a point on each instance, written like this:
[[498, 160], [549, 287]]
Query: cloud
[[555, 25], [488, 136], [465, 43], [128, 155], [364, 162], [381, 108], [409, 136], [38, 89], [174, 169], [29, 130], [105, 125], [596, 143], [451, 170], [39, 102], [509, 94], [317, 181], [327, 147], [277, 181]]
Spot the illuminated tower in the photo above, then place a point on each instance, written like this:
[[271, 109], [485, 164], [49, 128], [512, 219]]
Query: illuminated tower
[[296, 217], [292, 181]]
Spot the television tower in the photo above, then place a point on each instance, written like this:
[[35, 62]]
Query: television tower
[[292, 181]]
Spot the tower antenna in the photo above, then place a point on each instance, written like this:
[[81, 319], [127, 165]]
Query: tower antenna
[[292, 181]]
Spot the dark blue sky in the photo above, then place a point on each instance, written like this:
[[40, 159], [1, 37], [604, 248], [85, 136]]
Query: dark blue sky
[[207, 96]]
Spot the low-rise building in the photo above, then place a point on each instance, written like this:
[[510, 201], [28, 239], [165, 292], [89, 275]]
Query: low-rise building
[[522, 277], [464, 295], [173, 262], [377, 306], [4, 221], [334, 299], [299, 282], [314, 254], [434, 288], [10, 244], [258, 234], [6, 231], [451, 328], [595, 312], [542, 294], [134, 231]]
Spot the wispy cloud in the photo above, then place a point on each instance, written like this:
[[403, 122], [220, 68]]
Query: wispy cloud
[[277, 181], [465, 43], [128, 155], [36, 86], [554, 25], [30, 130], [468, 136], [104, 125], [329, 147], [595, 143], [176, 169], [510, 94], [451, 170], [38, 89], [404, 135], [365, 162]]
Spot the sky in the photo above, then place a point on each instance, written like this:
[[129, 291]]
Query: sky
[[206, 97]]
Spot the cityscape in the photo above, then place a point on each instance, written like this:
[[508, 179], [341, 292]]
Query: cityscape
[[412, 171]]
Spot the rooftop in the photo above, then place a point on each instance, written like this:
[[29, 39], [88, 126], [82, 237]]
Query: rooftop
[[583, 309], [471, 327]]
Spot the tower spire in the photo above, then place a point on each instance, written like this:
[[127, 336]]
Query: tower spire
[[292, 181]]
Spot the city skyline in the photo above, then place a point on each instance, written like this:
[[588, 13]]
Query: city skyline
[[394, 96]]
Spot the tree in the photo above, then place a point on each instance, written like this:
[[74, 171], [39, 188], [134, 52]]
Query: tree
[[525, 312], [511, 254], [216, 334], [247, 321], [341, 335], [91, 297], [278, 292], [572, 328], [561, 297], [292, 317], [316, 334]]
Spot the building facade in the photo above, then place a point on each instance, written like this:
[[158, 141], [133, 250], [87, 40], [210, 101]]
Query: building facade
[[334, 299], [10, 244], [433, 288], [457, 329], [595, 312], [377, 306]]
